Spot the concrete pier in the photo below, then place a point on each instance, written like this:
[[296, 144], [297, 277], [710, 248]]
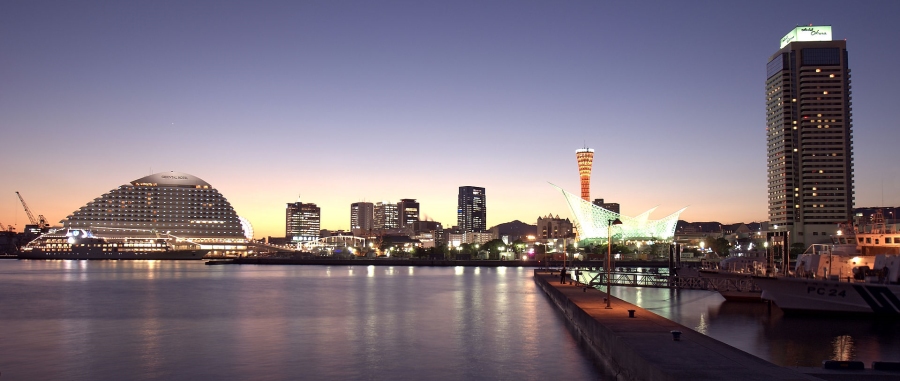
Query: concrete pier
[[643, 348]]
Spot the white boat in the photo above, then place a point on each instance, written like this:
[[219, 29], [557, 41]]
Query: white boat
[[869, 292], [878, 237]]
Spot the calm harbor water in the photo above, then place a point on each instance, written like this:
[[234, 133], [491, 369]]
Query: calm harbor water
[[140, 320], [769, 334]]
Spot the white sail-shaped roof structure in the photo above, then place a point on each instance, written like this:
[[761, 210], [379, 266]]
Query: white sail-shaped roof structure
[[592, 222]]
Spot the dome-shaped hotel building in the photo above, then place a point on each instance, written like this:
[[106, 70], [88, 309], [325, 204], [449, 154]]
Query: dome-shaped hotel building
[[168, 215]]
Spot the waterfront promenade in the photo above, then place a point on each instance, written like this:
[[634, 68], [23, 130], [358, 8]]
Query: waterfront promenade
[[643, 348]]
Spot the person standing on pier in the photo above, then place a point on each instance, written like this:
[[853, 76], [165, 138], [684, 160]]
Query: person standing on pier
[[562, 276]]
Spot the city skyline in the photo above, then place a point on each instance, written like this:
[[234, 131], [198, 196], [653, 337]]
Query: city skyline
[[346, 102]]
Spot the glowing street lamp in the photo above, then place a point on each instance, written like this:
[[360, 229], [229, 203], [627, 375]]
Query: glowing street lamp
[[609, 258]]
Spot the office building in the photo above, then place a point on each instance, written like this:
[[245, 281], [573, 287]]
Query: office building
[[610, 206], [408, 211], [362, 217], [386, 216], [422, 229], [302, 222], [471, 212], [809, 135], [585, 158]]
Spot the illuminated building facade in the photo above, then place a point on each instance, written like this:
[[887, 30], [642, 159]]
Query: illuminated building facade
[[809, 135], [362, 217], [434, 228], [585, 158], [302, 222], [167, 203], [408, 210], [471, 211], [386, 216], [592, 222], [554, 227]]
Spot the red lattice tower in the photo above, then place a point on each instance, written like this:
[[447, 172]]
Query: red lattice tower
[[585, 164]]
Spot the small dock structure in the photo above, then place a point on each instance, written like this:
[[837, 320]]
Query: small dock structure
[[630, 343]]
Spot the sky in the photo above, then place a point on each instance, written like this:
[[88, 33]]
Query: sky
[[335, 102]]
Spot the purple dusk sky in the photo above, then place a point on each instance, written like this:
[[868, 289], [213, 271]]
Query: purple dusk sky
[[345, 101]]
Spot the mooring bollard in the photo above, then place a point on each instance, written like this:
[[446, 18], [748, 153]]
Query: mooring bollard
[[631, 313], [676, 335]]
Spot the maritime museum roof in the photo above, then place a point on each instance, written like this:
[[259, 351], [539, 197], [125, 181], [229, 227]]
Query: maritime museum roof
[[593, 222], [171, 179]]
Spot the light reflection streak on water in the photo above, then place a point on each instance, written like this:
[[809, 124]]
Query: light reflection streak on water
[[843, 348], [370, 271], [703, 326]]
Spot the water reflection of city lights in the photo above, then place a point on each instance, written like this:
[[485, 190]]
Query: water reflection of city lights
[[843, 348], [703, 325]]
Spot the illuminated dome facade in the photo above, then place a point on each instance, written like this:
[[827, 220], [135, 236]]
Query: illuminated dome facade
[[172, 203]]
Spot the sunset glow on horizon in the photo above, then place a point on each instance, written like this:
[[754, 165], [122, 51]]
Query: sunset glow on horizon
[[340, 102]]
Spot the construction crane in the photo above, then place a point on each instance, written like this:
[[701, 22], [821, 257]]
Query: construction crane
[[41, 222]]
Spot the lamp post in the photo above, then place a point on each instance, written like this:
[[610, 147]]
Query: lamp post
[[609, 259], [564, 259]]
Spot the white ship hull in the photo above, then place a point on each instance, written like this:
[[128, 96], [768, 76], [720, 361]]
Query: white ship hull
[[811, 295], [97, 254]]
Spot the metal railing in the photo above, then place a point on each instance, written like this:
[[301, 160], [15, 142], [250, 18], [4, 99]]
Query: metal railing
[[642, 279]]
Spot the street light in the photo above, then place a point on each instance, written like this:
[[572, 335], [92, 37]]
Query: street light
[[608, 258]]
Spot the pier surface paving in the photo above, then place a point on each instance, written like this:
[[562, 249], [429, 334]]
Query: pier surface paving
[[643, 348]]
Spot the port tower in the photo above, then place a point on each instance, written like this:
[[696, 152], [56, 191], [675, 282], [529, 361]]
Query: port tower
[[585, 164]]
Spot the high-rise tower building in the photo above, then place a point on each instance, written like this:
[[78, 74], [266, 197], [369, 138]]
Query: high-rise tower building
[[386, 216], [302, 222], [408, 210], [362, 217], [585, 164], [809, 135], [471, 213]]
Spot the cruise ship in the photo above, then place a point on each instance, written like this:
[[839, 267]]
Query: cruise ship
[[82, 244], [168, 215]]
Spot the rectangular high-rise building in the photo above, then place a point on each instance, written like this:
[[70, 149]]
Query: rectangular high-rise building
[[809, 135], [362, 217], [471, 212], [408, 210], [302, 222], [386, 216]]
